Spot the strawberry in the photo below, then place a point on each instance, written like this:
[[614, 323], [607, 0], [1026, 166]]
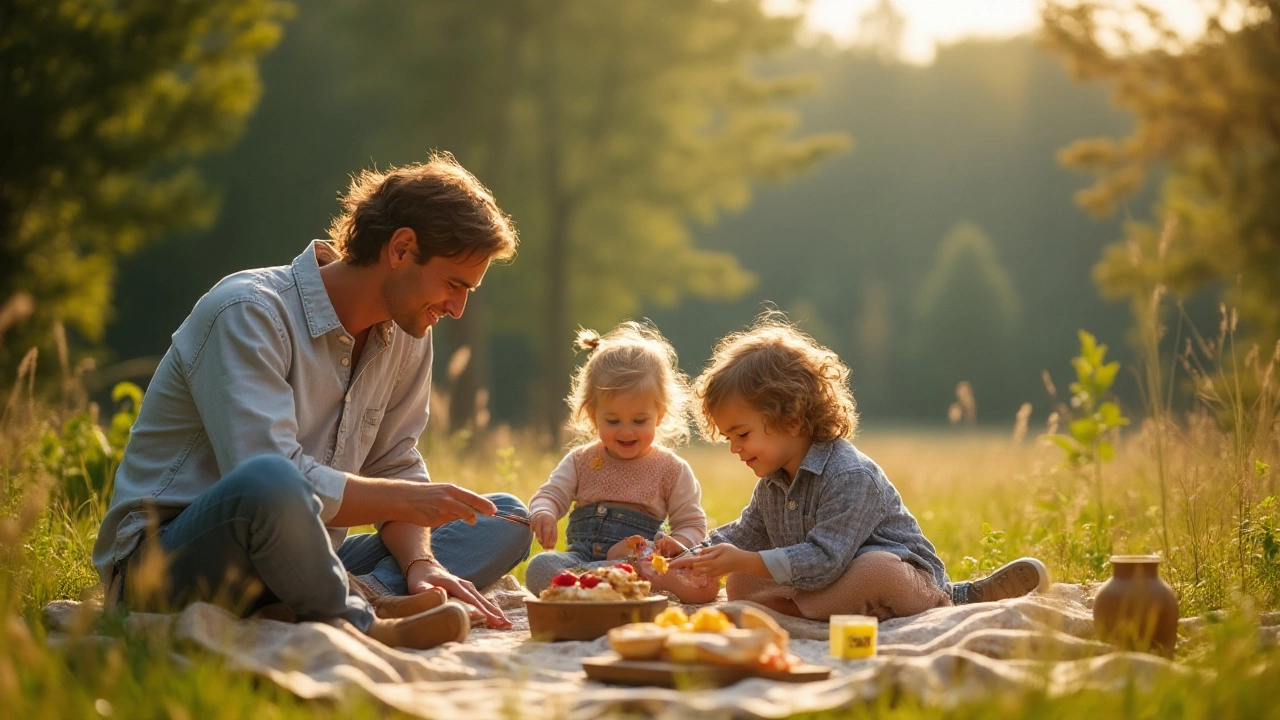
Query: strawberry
[[625, 567], [565, 579], [589, 581]]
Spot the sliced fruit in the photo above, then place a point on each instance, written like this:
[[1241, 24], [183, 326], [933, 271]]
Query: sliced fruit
[[565, 579]]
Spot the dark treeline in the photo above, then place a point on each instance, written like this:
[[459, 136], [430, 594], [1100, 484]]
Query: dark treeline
[[943, 247]]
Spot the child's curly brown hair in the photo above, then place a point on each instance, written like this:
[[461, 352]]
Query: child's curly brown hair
[[784, 374]]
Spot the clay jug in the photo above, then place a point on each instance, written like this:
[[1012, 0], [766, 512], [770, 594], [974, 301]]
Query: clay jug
[[1135, 609]]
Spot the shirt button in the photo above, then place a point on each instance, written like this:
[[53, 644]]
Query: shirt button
[[345, 361], [791, 504], [345, 339]]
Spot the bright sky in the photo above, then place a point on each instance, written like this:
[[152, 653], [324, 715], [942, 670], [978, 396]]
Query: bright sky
[[934, 22]]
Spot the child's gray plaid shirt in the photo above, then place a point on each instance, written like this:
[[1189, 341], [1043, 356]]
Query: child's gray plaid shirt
[[839, 506]]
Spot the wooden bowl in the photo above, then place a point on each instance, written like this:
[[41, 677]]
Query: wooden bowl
[[588, 620]]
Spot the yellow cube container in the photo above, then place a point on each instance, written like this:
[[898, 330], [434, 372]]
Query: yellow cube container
[[853, 636]]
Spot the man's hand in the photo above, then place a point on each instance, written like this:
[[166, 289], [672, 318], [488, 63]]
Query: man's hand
[[366, 501], [720, 560], [544, 527], [435, 504], [425, 575]]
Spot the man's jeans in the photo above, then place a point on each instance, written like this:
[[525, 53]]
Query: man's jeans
[[256, 538]]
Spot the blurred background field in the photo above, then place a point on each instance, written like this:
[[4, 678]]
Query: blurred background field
[[944, 193]]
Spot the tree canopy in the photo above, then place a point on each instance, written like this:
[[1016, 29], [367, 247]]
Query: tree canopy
[[1207, 112], [104, 105]]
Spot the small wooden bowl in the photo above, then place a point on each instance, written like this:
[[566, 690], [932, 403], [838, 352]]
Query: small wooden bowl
[[588, 620]]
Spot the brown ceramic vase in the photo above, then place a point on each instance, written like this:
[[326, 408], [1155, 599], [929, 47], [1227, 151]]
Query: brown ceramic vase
[[1135, 609]]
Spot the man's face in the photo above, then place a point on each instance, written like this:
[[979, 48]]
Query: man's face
[[417, 296], [765, 450]]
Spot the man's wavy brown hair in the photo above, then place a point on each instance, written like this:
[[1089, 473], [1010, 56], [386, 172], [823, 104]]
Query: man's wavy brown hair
[[784, 374], [452, 213]]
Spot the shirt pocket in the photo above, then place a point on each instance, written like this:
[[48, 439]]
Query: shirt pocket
[[370, 421], [809, 523]]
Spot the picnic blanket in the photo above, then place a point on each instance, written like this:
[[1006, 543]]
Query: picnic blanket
[[943, 656]]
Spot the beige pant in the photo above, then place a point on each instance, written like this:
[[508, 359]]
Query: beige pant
[[877, 583]]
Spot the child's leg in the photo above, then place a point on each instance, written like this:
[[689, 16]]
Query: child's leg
[[546, 565], [876, 583], [763, 591], [689, 589]]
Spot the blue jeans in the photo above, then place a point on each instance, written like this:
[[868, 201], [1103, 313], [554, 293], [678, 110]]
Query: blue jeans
[[593, 529], [256, 538]]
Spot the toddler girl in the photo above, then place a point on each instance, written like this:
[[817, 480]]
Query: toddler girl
[[628, 401], [825, 531]]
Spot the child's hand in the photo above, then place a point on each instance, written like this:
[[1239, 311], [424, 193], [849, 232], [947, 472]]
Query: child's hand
[[543, 525], [666, 546], [718, 560]]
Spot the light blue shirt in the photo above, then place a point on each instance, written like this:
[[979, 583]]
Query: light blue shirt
[[262, 365]]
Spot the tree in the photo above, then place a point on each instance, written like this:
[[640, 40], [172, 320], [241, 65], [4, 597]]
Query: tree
[[104, 105], [1207, 108], [882, 30], [966, 316], [606, 131]]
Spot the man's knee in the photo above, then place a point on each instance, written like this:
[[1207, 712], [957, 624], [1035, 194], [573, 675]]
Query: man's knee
[[506, 502], [273, 483]]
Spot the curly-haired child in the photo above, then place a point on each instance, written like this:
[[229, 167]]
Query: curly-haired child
[[825, 531], [628, 403]]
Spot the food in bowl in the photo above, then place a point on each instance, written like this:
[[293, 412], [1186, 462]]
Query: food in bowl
[[606, 584]]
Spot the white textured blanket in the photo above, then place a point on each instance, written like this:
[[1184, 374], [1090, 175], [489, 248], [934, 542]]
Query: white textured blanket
[[942, 656]]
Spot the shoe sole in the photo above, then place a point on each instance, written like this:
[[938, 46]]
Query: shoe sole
[[1015, 579]]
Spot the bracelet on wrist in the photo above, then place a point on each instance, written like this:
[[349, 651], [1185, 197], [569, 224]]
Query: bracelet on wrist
[[424, 558]]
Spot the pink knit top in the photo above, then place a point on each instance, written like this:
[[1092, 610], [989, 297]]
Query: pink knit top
[[660, 484]]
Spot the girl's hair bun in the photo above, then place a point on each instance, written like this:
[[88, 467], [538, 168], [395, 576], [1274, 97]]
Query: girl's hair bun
[[587, 339]]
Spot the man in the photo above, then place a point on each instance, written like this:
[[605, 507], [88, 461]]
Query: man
[[288, 408]]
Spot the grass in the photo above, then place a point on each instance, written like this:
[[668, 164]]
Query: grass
[[1199, 490]]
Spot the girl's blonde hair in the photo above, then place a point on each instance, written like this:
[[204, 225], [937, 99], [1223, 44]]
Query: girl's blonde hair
[[782, 373], [633, 357]]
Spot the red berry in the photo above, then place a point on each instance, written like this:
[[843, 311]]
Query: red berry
[[565, 579], [589, 581], [625, 567]]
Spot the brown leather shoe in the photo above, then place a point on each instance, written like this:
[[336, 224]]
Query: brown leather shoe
[[1010, 581], [401, 606], [447, 623]]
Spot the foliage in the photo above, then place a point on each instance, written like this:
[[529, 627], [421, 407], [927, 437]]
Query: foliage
[[967, 312], [1205, 109], [82, 457], [1093, 417], [104, 107]]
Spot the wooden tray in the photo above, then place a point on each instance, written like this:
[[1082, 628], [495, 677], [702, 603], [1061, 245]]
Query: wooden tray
[[613, 669]]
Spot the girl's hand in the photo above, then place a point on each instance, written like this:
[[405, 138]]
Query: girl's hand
[[543, 525], [717, 560], [666, 546]]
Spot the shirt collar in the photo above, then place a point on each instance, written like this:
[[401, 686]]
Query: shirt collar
[[321, 317], [815, 461]]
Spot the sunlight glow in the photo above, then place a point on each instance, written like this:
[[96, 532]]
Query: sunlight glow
[[930, 23]]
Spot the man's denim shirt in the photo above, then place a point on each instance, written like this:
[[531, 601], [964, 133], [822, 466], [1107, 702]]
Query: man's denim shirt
[[839, 506], [262, 365]]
